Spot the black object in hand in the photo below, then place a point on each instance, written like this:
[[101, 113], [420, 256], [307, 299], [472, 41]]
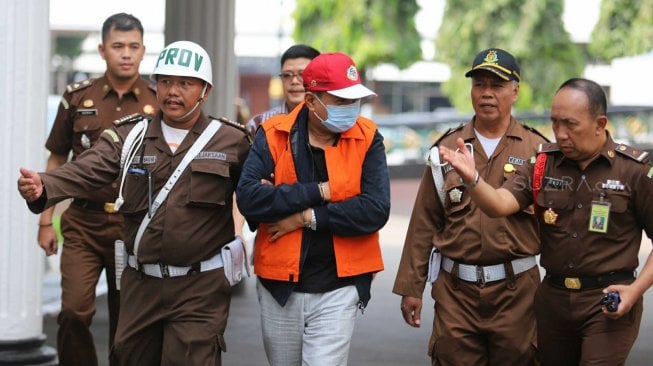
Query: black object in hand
[[611, 301]]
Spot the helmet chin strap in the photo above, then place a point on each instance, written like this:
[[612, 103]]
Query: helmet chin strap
[[200, 100]]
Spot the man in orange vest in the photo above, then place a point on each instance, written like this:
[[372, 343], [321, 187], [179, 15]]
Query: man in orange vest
[[316, 186]]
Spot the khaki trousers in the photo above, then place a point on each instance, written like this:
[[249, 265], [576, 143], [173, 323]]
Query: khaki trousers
[[491, 324], [572, 330], [88, 248], [172, 321]]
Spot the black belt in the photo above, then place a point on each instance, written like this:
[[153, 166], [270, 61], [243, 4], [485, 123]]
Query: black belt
[[107, 207], [593, 282]]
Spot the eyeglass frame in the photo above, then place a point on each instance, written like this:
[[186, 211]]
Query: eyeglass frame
[[289, 76]]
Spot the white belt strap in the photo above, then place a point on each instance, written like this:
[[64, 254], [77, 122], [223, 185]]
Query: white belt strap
[[435, 263], [484, 274], [204, 138], [132, 143], [436, 171], [161, 270]]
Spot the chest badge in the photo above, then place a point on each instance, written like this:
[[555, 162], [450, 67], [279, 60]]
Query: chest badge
[[455, 195], [85, 141], [148, 109], [550, 217], [88, 103], [509, 168]]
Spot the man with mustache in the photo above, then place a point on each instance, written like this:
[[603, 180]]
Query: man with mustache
[[487, 269], [174, 294], [585, 175], [91, 225]]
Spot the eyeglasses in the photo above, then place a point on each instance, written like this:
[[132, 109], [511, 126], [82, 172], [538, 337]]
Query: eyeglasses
[[288, 76]]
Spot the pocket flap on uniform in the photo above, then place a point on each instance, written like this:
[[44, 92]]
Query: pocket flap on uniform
[[555, 199], [208, 166]]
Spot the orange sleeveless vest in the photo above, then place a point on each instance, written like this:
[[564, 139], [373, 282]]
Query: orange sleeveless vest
[[354, 255]]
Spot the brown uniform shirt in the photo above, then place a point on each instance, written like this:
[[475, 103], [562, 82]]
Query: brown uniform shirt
[[569, 248], [89, 107], [195, 220], [461, 230]]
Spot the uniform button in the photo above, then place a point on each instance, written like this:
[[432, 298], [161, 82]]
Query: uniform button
[[580, 205], [118, 109], [574, 235], [114, 185], [570, 265]]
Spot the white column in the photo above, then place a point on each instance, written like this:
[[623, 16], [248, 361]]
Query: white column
[[210, 24], [24, 64]]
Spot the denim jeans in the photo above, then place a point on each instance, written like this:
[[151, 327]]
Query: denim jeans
[[311, 329]]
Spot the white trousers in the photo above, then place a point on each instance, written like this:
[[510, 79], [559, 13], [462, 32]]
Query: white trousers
[[311, 330]]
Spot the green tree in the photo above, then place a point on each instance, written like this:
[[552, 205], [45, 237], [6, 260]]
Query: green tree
[[625, 28], [531, 30], [370, 31], [69, 46]]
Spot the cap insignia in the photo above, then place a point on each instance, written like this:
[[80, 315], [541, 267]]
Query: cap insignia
[[352, 73], [491, 57]]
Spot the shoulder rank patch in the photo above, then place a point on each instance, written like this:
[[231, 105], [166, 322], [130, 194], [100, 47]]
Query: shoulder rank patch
[[64, 103], [130, 118], [447, 133], [547, 147], [638, 155], [535, 131], [79, 85], [112, 134]]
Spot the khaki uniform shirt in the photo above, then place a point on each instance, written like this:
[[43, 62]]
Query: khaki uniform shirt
[[89, 107], [195, 220], [460, 230], [569, 248]]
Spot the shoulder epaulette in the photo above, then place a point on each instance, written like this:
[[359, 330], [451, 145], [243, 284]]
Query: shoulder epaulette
[[231, 123], [639, 156], [547, 147], [447, 133], [535, 131], [130, 118], [235, 125], [79, 85]]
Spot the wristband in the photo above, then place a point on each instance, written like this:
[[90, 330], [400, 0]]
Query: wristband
[[42, 225]]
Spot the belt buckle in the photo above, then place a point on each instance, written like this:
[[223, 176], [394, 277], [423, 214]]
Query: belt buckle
[[572, 283], [480, 276], [165, 273], [110, 207]]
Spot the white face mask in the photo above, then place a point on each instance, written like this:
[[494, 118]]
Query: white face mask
[[340, 118]]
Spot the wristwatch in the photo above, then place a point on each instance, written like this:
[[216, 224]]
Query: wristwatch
[[313, 225], [471, 184]]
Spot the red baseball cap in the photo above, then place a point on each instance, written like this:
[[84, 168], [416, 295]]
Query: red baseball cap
[[336, 74]]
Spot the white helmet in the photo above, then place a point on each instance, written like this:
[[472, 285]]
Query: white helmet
[[184, 58]]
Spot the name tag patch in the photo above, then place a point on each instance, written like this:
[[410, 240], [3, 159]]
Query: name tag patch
[[516, 161], [147, 159], [555, 183], [87, 112], [212, 155]]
